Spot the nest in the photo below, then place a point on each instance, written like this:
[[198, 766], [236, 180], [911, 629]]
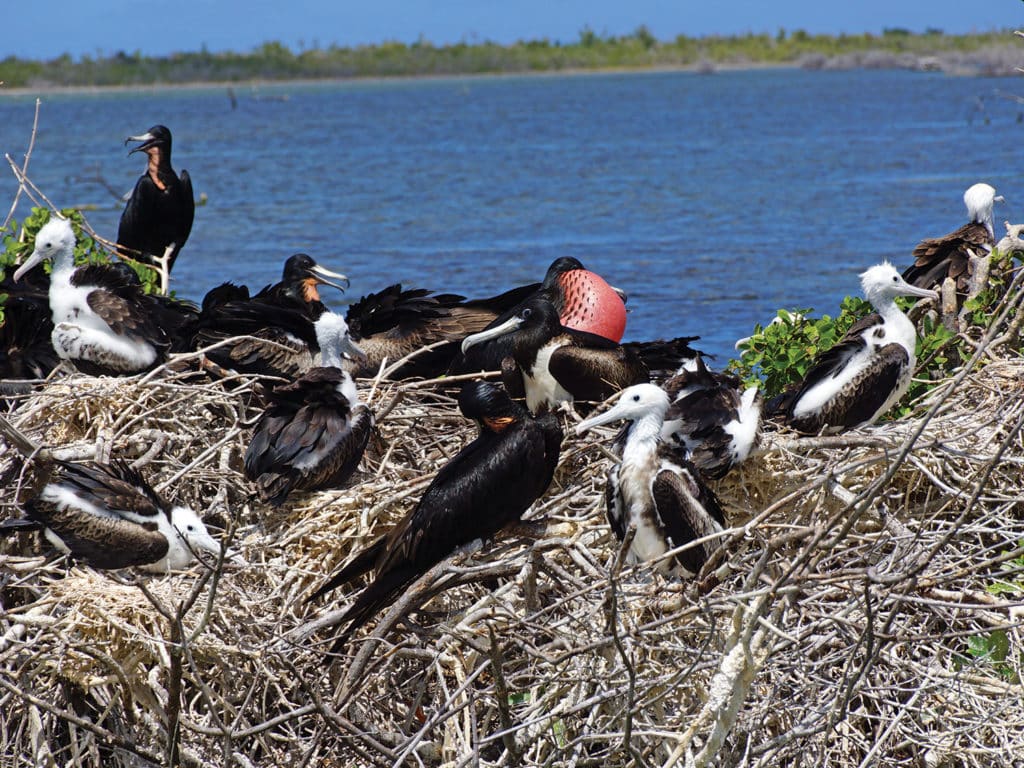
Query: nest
[[865, 609]]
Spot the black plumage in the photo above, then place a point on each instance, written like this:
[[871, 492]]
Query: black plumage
[[311, 436], [712, 419], [486, 487], [157, 218], [395, 322], [557, 364]]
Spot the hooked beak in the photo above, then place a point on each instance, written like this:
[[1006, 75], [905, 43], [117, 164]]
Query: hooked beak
[[351, 351], [510, 325], [924, 293], [30, 262], [324, 276], [612, 414], [621, 293], [147, 140], [998, 199]]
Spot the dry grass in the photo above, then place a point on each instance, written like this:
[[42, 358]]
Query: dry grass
[[835, 631]]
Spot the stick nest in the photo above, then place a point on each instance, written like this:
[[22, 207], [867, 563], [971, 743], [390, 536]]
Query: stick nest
[[865, 611]]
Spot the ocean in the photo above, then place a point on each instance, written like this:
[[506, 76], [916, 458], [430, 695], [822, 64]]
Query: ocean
[[712, 200]]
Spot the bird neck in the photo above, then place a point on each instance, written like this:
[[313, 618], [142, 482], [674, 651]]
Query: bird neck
[[156, 167], [643, 437]]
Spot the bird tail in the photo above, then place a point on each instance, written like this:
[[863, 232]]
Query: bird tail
[[381, 593], [17, 525], [360, 564]]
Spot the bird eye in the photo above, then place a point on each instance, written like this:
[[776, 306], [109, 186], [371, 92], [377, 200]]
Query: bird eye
[[895, 279], [636, 398], [191, 527], [526, 313]]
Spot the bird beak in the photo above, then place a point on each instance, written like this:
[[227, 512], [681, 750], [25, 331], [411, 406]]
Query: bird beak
[[324, 276], [510, 325], [30, 262], [621, 293], [612, 414], [351, 351], [998, 199], [924, 293], [147, 140]]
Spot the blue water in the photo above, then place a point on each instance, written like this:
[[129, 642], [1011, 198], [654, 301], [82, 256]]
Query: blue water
[[712, 200]]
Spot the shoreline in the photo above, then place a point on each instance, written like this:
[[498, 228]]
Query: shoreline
[[944, 63]]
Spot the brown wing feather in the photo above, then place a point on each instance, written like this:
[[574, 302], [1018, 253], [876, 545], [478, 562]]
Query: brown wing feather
[[947, 256], [103, 542], [594, 374], [688, 510], [126, 317]]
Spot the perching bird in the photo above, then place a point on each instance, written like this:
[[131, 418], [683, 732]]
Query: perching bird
[[157, 218], [712, 419], [948, 256], [583, 299], [487, 486], [555, 364], [276, 323], [103, 321], [655, 490], [315, 429], [866, 372], [110, 517]]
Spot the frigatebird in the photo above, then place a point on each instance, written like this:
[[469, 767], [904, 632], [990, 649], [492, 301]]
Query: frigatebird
[[277, 324], [867, 371], [157, 218], [315, 429], [712, 419], [555, 364], [937, 258], [104, 323], [487, 486], [110, 517], [655, 490]]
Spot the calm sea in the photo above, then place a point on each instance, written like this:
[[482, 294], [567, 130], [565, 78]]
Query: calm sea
[[712, 200]]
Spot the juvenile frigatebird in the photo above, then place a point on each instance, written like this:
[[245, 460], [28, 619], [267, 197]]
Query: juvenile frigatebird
[[949, 256], [487, 486], [109, 517], [712, 419], [655, 490], [555, 364], [315, 429], [104, 323], [157, 218], [867, 371]]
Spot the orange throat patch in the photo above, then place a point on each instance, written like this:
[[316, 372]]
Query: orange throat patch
[[499, 424]]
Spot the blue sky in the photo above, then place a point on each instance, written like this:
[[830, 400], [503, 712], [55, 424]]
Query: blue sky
[[47, 28]]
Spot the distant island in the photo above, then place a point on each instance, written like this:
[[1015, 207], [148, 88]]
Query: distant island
[[990, 53]]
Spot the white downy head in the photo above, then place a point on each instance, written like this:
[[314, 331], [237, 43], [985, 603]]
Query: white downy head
[[882, 283], [979, 199], [187, 538], [335, 343], [54, 241], [635, 403]]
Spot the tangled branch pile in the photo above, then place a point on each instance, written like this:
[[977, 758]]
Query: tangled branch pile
[[866, 610]]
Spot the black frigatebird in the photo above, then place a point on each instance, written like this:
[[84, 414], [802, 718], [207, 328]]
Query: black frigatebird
[[487, 486], [157, 218], [558, 364], [712, 419]]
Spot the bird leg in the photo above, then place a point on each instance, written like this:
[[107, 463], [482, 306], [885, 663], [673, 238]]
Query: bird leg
[[163, 268]]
